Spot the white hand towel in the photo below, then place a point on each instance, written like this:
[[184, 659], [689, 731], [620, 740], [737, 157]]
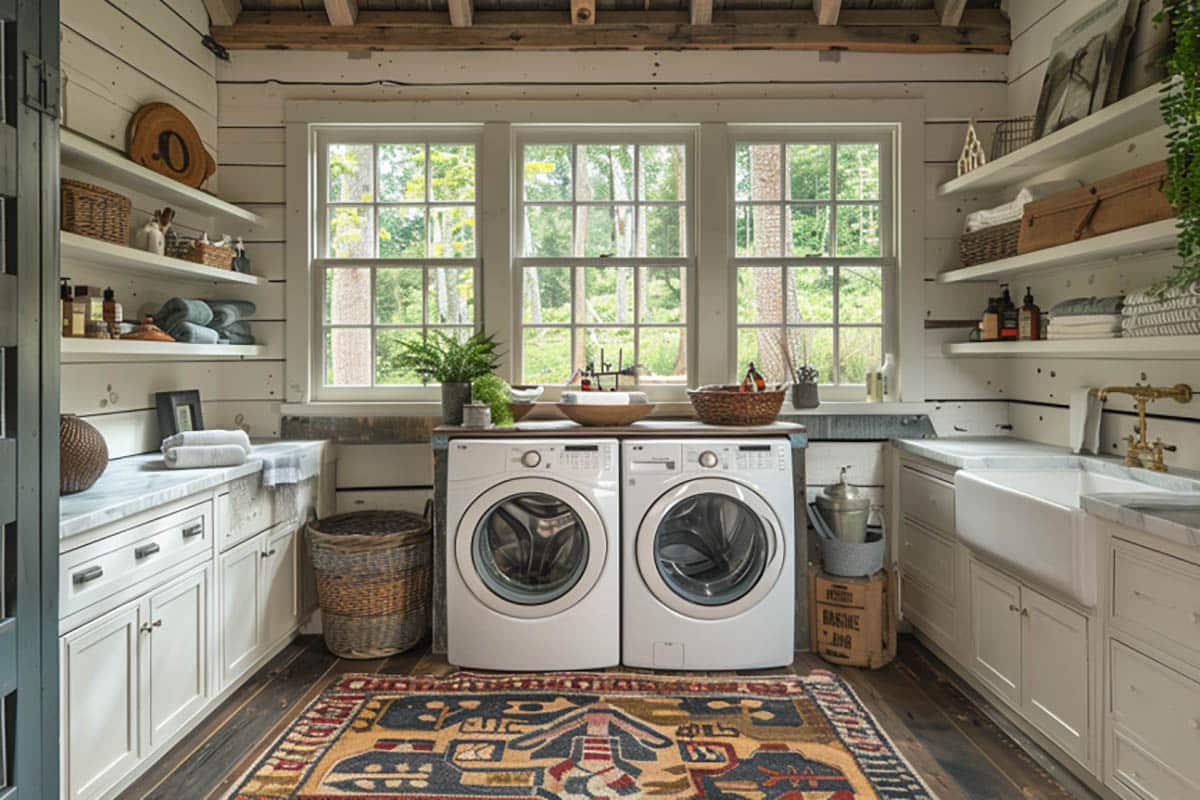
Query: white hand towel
[[1086, 409], [287, 468], [204, 455], [603, 398], [203, 438]]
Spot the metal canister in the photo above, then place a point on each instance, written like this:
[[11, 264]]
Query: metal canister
[[845, 509], [477, 415]]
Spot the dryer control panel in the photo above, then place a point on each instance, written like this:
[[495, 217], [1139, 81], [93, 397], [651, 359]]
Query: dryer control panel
[[584, 459]]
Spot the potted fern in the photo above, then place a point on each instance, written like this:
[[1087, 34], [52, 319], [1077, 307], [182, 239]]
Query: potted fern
[[1181, 111], [440, 358]]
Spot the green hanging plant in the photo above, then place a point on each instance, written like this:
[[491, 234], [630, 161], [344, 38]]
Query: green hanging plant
[[1181, 111]]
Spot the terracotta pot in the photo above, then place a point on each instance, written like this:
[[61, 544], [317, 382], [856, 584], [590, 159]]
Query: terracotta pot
[[454, 397], [82, 453]]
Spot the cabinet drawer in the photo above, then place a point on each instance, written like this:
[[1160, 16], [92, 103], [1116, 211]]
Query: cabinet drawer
[[928, 613], [929, 557], [1131, 766], [927, 500], [1157, 594], [96, 571], [1159, 708]]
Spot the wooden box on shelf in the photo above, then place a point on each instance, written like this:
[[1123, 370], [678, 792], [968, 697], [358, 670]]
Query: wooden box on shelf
[[853, 619], [206, 253], [1134, 197]]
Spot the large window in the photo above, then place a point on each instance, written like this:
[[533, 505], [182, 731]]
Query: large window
[[398, 251], [814, 252], [603, 255]]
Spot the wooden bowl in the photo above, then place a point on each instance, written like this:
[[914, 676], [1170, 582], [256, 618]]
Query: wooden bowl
[[601, 416], [520, 410]]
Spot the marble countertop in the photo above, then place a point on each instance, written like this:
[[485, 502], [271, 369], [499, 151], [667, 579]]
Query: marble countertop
[[646, 427], [138, 483], [1175, 517]]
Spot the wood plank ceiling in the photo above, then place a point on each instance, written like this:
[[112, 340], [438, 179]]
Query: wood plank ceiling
[[892, 26]]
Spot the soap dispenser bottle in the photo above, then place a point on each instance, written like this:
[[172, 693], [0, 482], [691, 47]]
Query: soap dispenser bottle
[[1031, 318], [990, 329], [1009, 317]]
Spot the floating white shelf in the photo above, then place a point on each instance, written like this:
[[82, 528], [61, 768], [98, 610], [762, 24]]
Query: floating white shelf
[[1112, 125], [130, 259], [174, 350], [1150, 238], [1148, 347], [109, 165]]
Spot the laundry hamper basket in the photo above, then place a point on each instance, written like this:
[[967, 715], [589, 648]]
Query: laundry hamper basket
[[374, 572]]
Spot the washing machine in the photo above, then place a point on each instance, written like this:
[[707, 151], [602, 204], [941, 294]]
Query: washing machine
[[533, 554], [708, 553]]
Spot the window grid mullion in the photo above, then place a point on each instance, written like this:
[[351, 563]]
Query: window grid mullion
[[371, 363]]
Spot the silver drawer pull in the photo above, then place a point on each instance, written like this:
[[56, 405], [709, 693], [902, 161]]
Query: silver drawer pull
[[88, 575], [194, 530], [146, 550]]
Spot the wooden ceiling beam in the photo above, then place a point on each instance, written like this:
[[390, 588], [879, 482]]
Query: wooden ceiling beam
[[461, 12], [394, 30], [827, 11], [701, 12], [950, 12], [223, 12], [341, 12]]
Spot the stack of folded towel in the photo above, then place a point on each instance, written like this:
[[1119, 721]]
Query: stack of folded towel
[[1013, 210], [1175, 312], [198, 449], [603, 398], [1086, 318], [206, 321]]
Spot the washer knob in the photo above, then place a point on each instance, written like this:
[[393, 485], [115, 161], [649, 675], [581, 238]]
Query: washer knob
[[531, 458], [708, 459]]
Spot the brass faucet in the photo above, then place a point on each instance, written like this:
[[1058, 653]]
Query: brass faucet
[[1137, 445]]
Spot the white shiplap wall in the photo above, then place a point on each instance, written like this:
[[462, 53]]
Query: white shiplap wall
[[1041, 387], [254, 87], [118, 55]]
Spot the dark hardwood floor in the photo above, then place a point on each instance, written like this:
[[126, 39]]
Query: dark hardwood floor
[[951, 736]]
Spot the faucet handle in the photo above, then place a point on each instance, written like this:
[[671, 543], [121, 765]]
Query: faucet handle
[[1160, 445]]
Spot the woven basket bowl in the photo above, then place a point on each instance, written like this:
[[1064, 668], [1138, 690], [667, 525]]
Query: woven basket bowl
[[374, 572], [728, 405], [82, 453]]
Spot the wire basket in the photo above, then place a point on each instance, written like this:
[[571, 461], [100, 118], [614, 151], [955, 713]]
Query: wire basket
[[1011, 135]]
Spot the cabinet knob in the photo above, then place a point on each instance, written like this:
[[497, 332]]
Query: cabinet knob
[[146, 628], [1196, 617], [1014, 609], [268, 553], [1195, 724]]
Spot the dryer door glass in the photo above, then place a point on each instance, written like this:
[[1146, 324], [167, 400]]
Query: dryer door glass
[[711, 549], [530, 548]]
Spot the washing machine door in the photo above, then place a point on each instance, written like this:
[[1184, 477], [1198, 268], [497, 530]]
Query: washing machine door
[[710, 548], [531, 547]]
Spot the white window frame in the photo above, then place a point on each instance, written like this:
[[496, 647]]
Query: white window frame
[[584, 135], [383, 135], [713, 309], [888, 260]]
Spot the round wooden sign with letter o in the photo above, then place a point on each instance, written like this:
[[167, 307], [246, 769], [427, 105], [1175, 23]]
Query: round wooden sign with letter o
[[161, 138]]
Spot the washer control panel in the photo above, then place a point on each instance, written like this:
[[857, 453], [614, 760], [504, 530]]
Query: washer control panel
[[545, 457], [579, 459], [735, 456]]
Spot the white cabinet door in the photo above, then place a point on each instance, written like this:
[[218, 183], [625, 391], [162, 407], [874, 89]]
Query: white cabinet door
[[280, 570], [175, 679], [996, 631], [1054, 671], [100, 702], [240, 616]]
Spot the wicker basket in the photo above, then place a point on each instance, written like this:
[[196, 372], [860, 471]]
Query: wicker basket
[[206, 253], [95, 212], [728, 405], [989, 244], [374, 572]]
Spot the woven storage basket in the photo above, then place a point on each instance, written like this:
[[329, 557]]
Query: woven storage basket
[[210, 255], [728, 405], [989, 244], [374, 573], [96, 212]]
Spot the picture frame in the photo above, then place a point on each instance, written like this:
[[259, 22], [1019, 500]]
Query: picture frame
[[1085, 61], [178, 412]]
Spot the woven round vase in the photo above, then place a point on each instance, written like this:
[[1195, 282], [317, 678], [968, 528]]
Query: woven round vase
[[82, 453]]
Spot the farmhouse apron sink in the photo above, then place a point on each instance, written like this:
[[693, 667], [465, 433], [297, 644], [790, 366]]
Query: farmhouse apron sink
[[1031, 523]]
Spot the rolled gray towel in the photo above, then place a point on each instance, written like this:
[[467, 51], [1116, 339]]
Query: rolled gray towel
[[180, 309], [227, 312]]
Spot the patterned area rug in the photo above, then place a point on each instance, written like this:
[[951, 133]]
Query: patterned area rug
[[577, 736]]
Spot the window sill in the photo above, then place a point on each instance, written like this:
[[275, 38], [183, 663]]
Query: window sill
[[421, 408]]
